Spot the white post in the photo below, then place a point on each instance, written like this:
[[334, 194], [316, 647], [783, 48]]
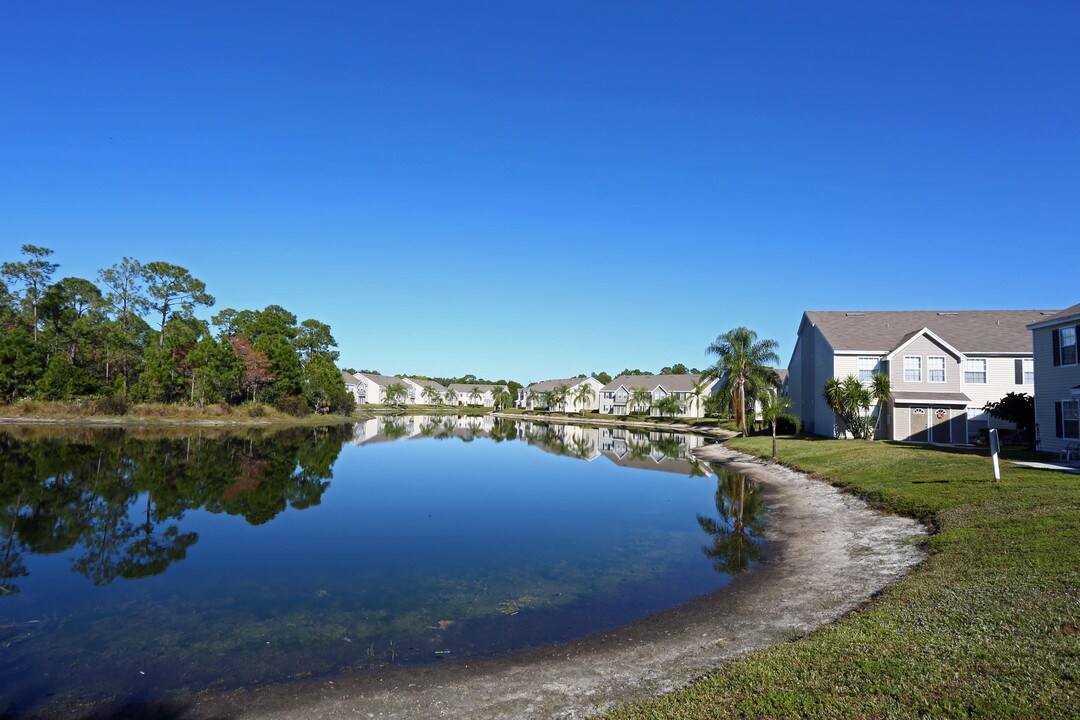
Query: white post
[[995, 448]]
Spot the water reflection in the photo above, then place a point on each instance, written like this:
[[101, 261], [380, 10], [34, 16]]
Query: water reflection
[[116, 499], [736, 538]]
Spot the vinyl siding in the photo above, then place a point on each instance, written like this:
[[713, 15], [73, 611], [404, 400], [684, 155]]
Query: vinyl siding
[[1052, 384], [925, 347]]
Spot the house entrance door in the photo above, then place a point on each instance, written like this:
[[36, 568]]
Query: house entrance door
[[939, 428], [918, 425]]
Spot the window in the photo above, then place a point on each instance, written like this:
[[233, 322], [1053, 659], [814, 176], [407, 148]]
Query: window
[[867, 366], [975, 371], [1068, 345], [1029, 371], [935, 369], [912, 368], [1070, 419]]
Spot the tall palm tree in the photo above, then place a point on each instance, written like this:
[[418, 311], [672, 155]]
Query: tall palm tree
[[502, 398], [881, 389], [670, 405], [475, 395], [743, 360], [394, 394], [775, 408], [432, 395], [640, 398], [559, 393], [451, 396], [583, 396], [696, 395], [531, 399]]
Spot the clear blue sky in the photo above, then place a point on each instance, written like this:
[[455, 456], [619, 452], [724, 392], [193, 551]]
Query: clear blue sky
[[538, 189]]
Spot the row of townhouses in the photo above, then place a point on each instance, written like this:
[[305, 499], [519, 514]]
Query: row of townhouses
[[944, 367], [371, 389], [618, 396]]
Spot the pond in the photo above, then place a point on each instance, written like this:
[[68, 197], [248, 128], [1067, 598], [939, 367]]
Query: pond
[[135, 564]]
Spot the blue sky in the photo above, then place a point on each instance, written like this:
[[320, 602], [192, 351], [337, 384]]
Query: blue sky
[[538, 189]]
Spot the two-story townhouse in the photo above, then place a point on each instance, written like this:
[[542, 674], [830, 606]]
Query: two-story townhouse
[[1056, 345], [424, 392], [352, 385], [372, 388], [534, 396], [616, 397], [944, 366], [474, 394]]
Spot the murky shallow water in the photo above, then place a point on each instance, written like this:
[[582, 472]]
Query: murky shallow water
[[134, 565]]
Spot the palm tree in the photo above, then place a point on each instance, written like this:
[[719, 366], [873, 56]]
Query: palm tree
[[532, 399], [432, 395], [694, 405], [502, 398], [559, 393], [881, 389], [742, 361], [850, 400], [474, 395], [583, 396], [640, 398], [451, 396], [670, 405], [775, 408], [394, 394]]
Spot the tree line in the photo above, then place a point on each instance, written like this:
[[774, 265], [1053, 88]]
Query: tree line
[[133, 337]]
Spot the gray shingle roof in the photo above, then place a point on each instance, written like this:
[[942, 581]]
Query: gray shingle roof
[[671, 383], [1068, 314], [383, 380], [349, 378], [545, 385], [969, 331], [465, 389], [429, 383]]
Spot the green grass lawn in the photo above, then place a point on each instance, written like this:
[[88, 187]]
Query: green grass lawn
[[988, 626]]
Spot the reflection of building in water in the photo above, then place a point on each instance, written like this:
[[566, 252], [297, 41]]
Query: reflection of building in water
[[570, 440], [666, 452], [408, 427]]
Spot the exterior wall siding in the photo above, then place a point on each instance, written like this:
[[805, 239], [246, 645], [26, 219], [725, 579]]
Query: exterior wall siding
[[1052, 385], [925, 347]]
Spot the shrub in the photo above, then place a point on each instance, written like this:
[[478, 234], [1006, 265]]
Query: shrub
[[111, 405], [293, 405]]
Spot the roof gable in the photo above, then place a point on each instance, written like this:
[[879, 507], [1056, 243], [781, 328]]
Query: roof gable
[[926, 332]]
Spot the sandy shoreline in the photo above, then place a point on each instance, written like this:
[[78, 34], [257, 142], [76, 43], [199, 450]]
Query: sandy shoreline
[[829, 553]]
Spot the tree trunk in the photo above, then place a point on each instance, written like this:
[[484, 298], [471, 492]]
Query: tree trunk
[[742, 407], [774, 439]]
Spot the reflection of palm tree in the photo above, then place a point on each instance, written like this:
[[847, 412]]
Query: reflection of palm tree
[[672, 446], [581, 447], [736, 537], [638, 446], [393, 428]]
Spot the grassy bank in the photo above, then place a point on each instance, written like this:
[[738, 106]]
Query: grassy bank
[[988, 627], [106, 411]]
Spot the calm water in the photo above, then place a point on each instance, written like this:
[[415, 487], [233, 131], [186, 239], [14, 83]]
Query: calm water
[[134, 565]]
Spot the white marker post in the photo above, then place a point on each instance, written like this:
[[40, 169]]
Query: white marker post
[[995, 448]]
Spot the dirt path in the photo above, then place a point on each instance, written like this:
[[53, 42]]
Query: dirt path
[[829, 553]]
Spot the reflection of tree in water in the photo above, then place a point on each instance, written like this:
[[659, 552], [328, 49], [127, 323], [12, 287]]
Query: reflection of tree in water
[[736, 539], [503, 429], [121, 499], [581, 447], [394, 428], [638, 446], [672, 446]]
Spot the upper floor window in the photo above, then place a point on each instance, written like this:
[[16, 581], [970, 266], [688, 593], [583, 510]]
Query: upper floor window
[[867, 366], [912, 368], [1029, 371], [1068, 345], [1070, 419], [935, 369], [975, 371]]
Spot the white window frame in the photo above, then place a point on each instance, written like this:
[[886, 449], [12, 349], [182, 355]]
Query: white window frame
[[1028, 374], [1075, 345], [982, 372], [917, 369], [930, 370], [1074, 406], [873, 363]]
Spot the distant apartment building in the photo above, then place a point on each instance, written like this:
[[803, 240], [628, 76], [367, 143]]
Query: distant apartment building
[[538, 395], [474, 394], [372, 388], [616, 398], [424, 392], [944, 366]]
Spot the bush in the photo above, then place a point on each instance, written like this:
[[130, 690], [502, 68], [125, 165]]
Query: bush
[[256, 410], [111, 405], [293, 405]]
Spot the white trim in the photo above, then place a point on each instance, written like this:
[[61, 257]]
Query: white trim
[[931, 401], [944, 370], [905, 368], [928, 333]]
